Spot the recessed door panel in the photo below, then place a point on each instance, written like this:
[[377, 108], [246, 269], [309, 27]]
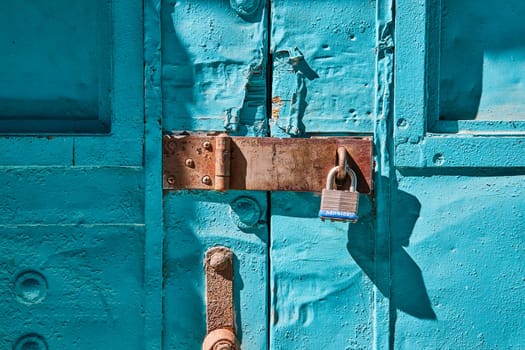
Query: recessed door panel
[[55, 66]]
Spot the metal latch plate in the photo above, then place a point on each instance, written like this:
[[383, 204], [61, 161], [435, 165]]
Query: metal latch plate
[[263, 163]]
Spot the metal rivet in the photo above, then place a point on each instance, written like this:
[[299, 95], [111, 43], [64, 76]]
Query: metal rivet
[[219, 261], [438, 159], [245, 8], [172, 145], [30, 287], [190, 163], [245, 212], [31, 342], [207, 145], [402, 123], [170, 180], [206, 180]]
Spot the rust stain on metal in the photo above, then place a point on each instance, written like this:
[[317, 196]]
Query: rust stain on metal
[[265, 163], [175, 152], [218, 266]]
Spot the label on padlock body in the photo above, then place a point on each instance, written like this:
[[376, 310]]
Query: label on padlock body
[[339, 205]]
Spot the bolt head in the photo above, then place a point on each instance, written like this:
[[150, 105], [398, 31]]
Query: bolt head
[[189, 163], [206, 180], [207, 145], [171, 180], [219, 261]]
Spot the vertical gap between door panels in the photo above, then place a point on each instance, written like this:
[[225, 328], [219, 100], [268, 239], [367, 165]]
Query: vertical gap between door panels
[[269, 82], [269, 68]]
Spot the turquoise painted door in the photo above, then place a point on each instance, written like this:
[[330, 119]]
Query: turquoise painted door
[[429, 265], [95, 255], [72, 214], [267, 69]]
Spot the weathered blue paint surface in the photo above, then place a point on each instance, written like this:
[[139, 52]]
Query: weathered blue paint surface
[[72, 234], [321, 296], [472, 262], [323, 66], [94, 255], [88, 295], [214, 78], [430, 91], [467, 240], [193, 224], [214, 66]]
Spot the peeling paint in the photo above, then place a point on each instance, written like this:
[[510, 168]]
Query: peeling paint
[[289, 104], [231, 122], [276, 107], [213, 78], [338, 51]]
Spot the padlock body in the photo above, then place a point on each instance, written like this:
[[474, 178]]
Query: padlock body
[[339, 205]]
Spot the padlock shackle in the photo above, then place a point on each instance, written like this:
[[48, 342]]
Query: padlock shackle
[[348, 171]]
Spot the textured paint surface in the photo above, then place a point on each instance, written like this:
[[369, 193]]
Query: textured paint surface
[[214, 78], [153, 219], [482, 72], [323, 66], [90, 294], [482, 102], [327, 278], [195, 222], [95, 256], [468, 243], [214, 67], [72, 233], [321, 297]]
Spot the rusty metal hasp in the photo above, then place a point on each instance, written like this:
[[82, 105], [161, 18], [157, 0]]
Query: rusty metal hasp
[[261, 163]]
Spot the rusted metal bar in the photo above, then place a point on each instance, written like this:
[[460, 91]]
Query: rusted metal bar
[[218, 265], [220, 320], [262, 163], [342, 163]]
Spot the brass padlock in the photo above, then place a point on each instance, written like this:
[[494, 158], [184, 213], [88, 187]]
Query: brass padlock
[[339, 205]]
